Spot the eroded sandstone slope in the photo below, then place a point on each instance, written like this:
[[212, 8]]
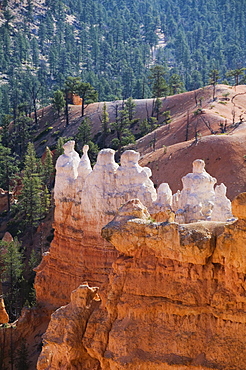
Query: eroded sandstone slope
[[176, 299], [171, 295]]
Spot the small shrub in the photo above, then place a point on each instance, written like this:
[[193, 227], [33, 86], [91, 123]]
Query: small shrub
[[55, 133], [198, 111], [42, 133]]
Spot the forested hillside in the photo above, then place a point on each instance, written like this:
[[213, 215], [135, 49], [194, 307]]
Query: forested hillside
[[112, 44], [106, 51]]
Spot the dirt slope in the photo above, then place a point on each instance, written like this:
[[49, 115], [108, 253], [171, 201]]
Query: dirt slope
[[223, 155], [166, 150]]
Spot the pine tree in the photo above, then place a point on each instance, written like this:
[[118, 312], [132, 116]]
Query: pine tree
[[70, 87], [21, 135], [236, 73], [214, 76], [122, 129], [33, 87], [175, 84], [84, 132], [8, 170], [130, 108], [31, 193], [104, 125], [48, 169], [12, 277], [157, 107], [59, 148], [88, 94], [159, 84], [58, 101], [21, 360]]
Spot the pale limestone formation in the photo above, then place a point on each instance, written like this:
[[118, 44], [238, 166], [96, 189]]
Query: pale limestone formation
[[222, 205], [107, 186], [84, 167], [84, 204], [161, 210], [134, 180], [66, 172], [87, 199], [98, 192], [196, 200]]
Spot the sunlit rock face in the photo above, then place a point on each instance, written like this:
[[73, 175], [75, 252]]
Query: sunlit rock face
[[175, 299], [199, 200], [63, 347], [86, 200], [4, 317]]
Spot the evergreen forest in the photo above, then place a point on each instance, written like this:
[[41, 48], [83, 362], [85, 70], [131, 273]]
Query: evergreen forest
[[113, 44]]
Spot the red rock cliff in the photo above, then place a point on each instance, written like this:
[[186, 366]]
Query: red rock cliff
[[176, 299], [85, 201]]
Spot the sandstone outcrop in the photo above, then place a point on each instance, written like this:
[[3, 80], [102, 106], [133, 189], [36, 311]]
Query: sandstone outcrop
[[172, 295], [63, 347], [4, 317], [198, 200], [86, 200], [176, 298]]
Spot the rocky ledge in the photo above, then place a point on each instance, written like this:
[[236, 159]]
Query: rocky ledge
[[176, 299]]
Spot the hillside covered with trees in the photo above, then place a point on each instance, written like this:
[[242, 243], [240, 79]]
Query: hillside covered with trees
[[112, 45]]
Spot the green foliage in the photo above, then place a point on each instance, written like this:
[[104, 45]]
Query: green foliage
[[87, 93], [48, 169], [213, 79], [121, 127], [236, 73], [105, 129], [157, 107], [167, 117], [175, 84], [147, 125], [159, 84], [130, 108], [93, 151], [59, 147], [21, 358], [58, 101], [42, 133], [111, 46], [20, 136], [84, 132], [12, 276], [8, 170], [34, 198], [197, 112], [84, 137]]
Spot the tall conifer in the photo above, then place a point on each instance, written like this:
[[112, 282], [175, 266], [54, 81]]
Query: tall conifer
[[30, 198]]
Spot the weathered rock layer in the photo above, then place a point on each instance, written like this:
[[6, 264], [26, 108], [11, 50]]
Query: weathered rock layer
[[176, 298], [87, 199]]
